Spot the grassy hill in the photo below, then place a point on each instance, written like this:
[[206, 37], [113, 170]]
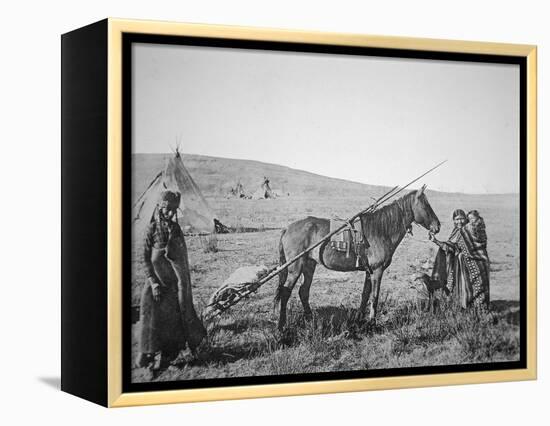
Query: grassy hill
[[215, 176]]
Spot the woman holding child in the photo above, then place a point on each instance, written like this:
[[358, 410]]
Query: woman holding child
[[462, 262]]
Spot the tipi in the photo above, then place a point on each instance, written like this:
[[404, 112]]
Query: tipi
[[264, 191], [194, 216], [237, 192]]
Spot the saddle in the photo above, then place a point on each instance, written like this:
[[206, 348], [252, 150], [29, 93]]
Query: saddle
[[350, 241]]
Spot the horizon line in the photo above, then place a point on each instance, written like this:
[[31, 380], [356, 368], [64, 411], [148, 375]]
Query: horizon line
[[325, 176]]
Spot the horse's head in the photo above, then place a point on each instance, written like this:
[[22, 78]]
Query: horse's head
[[423, 212]]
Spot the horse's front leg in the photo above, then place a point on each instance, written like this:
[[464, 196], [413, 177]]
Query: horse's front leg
[[376, 279], [430, 305], [367, 288]]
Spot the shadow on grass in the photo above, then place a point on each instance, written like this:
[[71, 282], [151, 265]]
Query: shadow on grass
[[504, 305], [327, 322], [223, 355], [236, 337], [507, 309], [341, 319], [240, 326]]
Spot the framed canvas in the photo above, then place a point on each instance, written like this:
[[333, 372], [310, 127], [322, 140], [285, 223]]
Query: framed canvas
[[256, 212]]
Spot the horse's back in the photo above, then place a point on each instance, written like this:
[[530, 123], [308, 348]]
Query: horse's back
[[308, 223], [303, 233]]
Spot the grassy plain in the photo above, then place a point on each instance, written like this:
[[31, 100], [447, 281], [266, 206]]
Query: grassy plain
[[245, 341]]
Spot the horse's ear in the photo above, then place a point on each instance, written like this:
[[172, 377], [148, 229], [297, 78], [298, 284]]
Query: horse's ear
[[420, 191]]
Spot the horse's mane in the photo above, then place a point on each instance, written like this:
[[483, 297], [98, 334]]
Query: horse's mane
[[392, 218]]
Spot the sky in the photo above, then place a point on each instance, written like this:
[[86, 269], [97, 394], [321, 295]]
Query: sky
[[374, 120]]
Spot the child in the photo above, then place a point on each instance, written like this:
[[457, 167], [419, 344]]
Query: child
[[476, 227]]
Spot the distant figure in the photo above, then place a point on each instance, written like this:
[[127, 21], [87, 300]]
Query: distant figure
[[462, 262]]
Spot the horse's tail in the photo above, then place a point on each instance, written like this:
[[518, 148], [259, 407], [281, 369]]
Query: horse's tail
[[284, 273]]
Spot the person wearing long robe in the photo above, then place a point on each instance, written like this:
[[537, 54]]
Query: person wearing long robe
[[462, 262], [168, 319]]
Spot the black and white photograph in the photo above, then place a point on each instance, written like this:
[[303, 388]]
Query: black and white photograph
[[311, 214], [261, 213]]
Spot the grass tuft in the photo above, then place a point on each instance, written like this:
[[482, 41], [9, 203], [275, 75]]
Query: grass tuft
[[209, 243]]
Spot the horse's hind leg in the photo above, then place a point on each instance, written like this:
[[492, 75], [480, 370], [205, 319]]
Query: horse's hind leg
[[430, 305], [294, 272], [308, 271]]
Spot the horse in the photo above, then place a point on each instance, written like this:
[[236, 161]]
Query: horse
[[384, 230]]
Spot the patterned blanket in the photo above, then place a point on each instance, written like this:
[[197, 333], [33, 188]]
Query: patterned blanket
[[463, 264]]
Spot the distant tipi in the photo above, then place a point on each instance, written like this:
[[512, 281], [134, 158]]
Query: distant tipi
[[194, 216], [264, 191]]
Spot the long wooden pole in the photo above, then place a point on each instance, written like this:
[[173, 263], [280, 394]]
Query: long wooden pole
[[325, 238], [392, 193], [276, 271]]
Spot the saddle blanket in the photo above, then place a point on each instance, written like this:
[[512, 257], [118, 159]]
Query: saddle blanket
[[349, 239]]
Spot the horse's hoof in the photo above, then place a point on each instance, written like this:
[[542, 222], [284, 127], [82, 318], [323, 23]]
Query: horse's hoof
[[285, 336], [371, 324], [359, 318]]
